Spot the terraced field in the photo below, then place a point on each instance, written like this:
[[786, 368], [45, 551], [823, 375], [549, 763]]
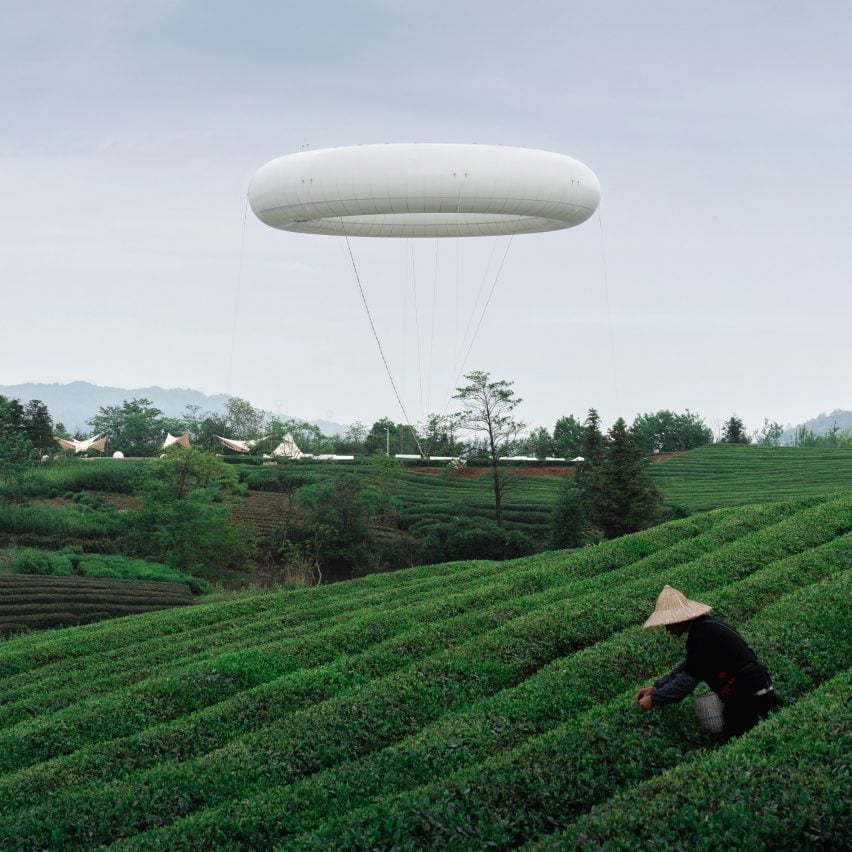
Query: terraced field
[[734, 474], [468, 705], [34, 602]]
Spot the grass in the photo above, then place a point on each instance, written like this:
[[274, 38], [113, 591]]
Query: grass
[[473, 705]]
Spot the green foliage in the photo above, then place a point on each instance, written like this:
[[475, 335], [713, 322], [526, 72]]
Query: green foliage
[[476, 705], [568, 437], [734, 432], [473, 539], [135, 427], [569, 517], [665, 431], [488, 407], [73, 561], [625, 501], [184, 517]]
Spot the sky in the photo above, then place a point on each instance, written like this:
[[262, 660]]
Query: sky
[[715, 276]]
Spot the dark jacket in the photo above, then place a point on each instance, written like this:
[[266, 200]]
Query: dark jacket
[[718, 655]]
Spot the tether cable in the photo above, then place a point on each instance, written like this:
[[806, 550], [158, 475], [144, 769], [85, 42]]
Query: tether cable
[[481, 316], [378, 341]]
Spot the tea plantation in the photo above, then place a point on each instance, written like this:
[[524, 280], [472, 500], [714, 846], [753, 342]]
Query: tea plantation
[[736, 474], [464, 705]]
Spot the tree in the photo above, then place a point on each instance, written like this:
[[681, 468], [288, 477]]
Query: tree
[[667, 432], [734, 432], [569, 516], [538, 443], [770, 434], [568, 436], [38, 424], [488, 407], [17, 452], [353, 439], [334, 520], [184, 519], [244, 421], [590, 470], [437, 437], [626, 502], [134, 427], [383, 437]]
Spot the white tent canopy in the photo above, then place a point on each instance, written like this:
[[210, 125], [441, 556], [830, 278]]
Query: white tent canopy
[[182, 440], [98, 443], [288, 449], [236, 446]]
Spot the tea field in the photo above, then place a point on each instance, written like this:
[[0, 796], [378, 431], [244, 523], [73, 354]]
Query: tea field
[[31, 602], [466, 705], [737, 474]]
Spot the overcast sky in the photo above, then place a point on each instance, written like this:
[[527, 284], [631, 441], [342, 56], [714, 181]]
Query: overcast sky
[[716, 276]]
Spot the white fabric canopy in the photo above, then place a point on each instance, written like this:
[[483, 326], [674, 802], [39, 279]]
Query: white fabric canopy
[[287, 448], [183, 440], [236, 446], [97, 443]]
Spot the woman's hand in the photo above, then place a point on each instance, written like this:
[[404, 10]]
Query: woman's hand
[[643, 698]]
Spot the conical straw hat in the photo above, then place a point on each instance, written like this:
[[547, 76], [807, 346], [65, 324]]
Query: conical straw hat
[[673, 606]]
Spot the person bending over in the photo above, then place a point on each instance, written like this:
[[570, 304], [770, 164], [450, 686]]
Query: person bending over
[[716, 654]]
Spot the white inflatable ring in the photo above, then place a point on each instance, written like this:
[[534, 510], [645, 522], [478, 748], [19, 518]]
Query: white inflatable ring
[[424, 190]]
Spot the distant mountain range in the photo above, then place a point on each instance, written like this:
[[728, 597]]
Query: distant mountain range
[[74, 403], [822, 424]]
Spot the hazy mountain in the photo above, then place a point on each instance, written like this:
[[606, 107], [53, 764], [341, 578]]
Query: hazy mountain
[[822, 424], [74, 403]]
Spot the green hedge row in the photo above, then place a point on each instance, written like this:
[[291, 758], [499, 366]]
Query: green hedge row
[[558, 692], [554, 777], [354, 725], [217, 625], [127, 709], [783, 785]]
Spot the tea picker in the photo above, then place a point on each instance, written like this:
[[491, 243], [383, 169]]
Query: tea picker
[[742, 691]]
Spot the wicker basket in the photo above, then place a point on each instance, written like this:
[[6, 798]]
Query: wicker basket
[[709, 711]]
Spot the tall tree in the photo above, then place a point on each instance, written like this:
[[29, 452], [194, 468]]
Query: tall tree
[[538, 443], [134, 427], [589, 477], [626, 501], [244, 420], [734, 432], [568, 437], [667, 432], [38, 424], [769, 434], [488, 408], [17, 452]]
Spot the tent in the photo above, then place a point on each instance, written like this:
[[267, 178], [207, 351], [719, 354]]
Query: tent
[[97, 443], [236, 446], [288, 449], [183, 440]]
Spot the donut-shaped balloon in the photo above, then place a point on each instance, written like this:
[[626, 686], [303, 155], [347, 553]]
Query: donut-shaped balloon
[[424, 190]]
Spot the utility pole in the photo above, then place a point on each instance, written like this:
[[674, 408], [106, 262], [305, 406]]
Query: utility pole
[[387, 441]]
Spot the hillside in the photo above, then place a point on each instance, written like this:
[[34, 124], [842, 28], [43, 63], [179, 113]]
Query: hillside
[[738, 474], [74, 403], [31, 602], [821, 424], [461, 705]]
